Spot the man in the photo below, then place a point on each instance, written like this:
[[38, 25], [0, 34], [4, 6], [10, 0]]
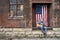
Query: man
[[41, 25], [43, 29]]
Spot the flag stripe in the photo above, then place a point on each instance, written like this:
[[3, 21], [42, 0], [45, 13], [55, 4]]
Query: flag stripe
[[44, 14], [46, 17]]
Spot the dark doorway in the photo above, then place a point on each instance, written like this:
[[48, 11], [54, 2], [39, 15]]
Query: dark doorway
[[38, 8]]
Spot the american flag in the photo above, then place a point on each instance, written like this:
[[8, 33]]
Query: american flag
[[41, 14]]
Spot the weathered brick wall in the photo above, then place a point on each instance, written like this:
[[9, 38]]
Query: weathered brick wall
[[54, 17], [4, 10], [54, 14], [28, 12], [57, 12]]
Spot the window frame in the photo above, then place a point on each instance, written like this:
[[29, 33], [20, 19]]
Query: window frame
[[16, 16]]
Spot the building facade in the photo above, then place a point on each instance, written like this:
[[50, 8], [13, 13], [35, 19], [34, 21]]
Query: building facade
[[21, 14]]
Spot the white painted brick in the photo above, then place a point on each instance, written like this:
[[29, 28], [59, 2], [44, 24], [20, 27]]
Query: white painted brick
[[56, 29], [29, 32], [57, 32], [27, 29], [18, 29], [21, 35], [15, 39], [41, 35], [30, 35], [2, 33], [1, 30], [50, 32], [35, 35], [9, 33], [58, 35], [52, 35], [8, 29], [37, 32]]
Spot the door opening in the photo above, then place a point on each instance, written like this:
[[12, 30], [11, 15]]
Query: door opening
[[40, 14]]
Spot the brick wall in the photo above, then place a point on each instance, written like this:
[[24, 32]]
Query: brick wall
[[55, 14], [4, 10], [54, 17]]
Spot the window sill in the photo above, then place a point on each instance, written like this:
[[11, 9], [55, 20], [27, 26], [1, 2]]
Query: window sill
[[15, 17]]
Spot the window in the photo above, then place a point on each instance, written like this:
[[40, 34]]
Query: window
[[16, 8]]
